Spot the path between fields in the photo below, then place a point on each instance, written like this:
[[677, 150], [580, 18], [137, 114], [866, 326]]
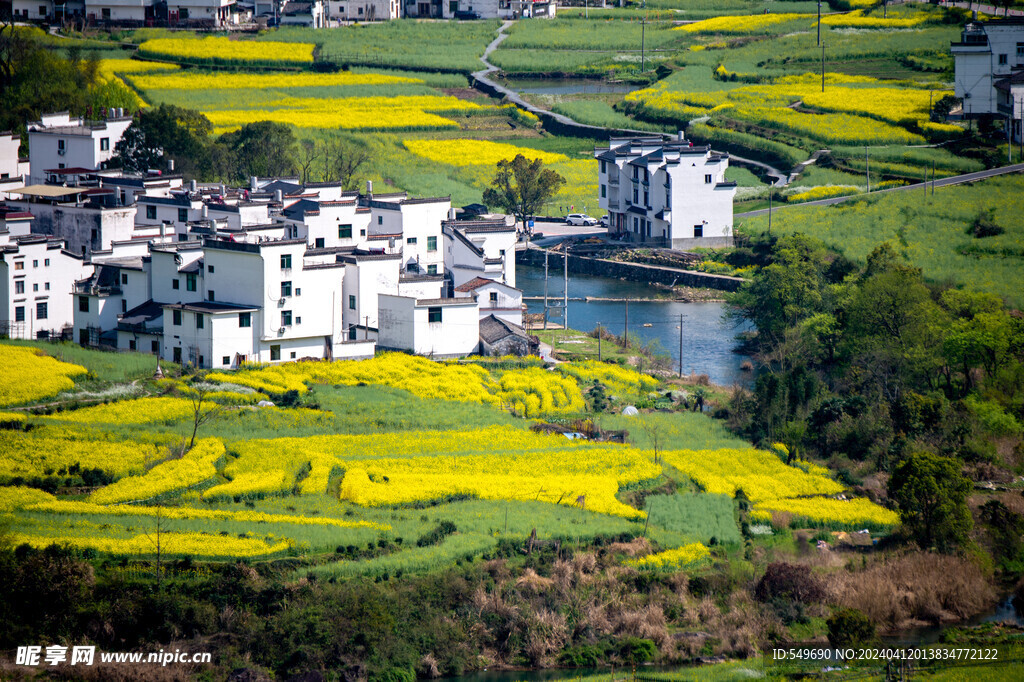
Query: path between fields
[[944, 182], [482, 77]]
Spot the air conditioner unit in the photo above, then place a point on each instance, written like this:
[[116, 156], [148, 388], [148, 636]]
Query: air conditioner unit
[[62, 152], [282, 301]]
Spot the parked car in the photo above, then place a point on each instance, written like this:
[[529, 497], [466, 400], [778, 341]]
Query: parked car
[[604, 220], [580, 219], [466, 15]]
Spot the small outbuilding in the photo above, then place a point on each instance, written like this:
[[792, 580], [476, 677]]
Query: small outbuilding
[[500, 337]]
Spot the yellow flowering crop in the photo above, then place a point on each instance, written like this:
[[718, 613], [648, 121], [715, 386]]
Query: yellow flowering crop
[[760, 474], [188, 80], [619, 380], [823, 192], [190, 544], [197, 466], [476, 152], [27, 375], [857, 19], [681, 557], [856, 512], [17, 497], [147, 410], [749, 23], [46, 451], [12, 419], [215, 49], [887, 104], [831, 128]]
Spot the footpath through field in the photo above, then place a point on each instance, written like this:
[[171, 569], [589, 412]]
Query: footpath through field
[[944, 182]]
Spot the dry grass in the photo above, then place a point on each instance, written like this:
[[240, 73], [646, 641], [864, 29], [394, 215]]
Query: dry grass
[[635, 547], [915, 588]]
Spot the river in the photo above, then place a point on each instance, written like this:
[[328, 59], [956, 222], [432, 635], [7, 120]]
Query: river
[[708, 337]]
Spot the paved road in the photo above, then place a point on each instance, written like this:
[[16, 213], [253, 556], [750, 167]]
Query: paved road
[[944, 182]]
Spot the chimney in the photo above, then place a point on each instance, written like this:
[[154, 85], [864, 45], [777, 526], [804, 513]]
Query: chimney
[[170, 165], [369, 189], [206, 212], [254, 183], [451, 213], [681, 137], [163, 231], [279, 196], [223, 191], [193, 186]]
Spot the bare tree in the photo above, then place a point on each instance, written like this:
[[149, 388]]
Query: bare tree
[[654, 434], [342, 160], [309, 153], [156, 539], [203, 410]]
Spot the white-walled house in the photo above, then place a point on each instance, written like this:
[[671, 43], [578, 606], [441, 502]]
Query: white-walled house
[[112, 288], [439, 327], [364, 10], [480, 248], [61, 141], [88, 219], [673, 193], [306, 13], [13, 169], [494, 298], [37, 276], [988, 63]]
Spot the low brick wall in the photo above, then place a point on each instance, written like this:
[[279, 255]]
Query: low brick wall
[[633, 272]]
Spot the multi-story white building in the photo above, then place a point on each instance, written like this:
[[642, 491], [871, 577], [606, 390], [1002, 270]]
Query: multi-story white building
[[87, 218], [988, 62], [59, 141], [672, 194], [483, 9], [14, 170], [480, 248], [364, 10], [37, 276]]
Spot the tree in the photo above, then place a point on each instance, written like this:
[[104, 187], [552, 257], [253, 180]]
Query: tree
[[343, 157], [931, 494], [263, 148], [167, 132], [521, 187], [850, 628], [202, 411], [309, 152]]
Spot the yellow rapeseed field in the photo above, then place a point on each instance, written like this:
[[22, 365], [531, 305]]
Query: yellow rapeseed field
[[259, 81], [476, 152], [749, 23], [47, 451], [197, 466], [191, 544], [887, 104], [673, 558], [760, 474], [823, 192], [857, 19], [147, 410], [216, 49], [27, 375], [856, 512]]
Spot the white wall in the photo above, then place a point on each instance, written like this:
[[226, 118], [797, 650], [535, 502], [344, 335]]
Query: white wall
[[82, 148], [405, 325], [47, 275]]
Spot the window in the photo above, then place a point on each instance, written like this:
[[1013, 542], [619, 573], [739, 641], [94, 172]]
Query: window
[[698, 231], [636, 195], [351, 302], [226, 360], [46, 286], [244, 319], [35, 286], [211, 295], [431, 269], [209, 269], [176, 317], [1002, 60], [182, 215], [106, 15], [174, 283], [154, 346], [151, 213], [124, 306], [46, 262], [61, 148], [42, 10], [636, 172], [604, 192], [647, 198], [410, 240], [177, 355], [19, 313], [104, 144], [19, 286], [319, 243], [131, 344], [292, 355], [362, 233], [434, 314], [431, 243], [200, 321], [19, 265], [298, 291], [83, 304], [35, 263], [286, 318], [344, 232], [286, 289], [190, 282], [275, 353], [494, 297], [604, 167], [286, 261], [707, 179], [124, 278], [298, 320], [380, 220]]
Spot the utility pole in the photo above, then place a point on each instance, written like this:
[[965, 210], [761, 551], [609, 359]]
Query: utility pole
[[1009, 144], [546, 252], [600, 333], [867, 168], [819, 23], [823, 67], [565, 293], [681, 339], [771, 193], [933, 178], [643, 32]]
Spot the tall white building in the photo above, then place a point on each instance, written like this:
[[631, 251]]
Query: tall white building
[[60, 141], [672, 194], [989, 66]]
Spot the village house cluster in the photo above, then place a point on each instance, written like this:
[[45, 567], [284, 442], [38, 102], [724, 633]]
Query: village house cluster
[[308, 13], [213, 276]]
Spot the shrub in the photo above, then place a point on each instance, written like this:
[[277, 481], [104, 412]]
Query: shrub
[[793, 582], [637, 650], [850, 628]]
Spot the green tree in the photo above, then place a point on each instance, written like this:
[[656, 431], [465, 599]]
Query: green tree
[[263, 148], [850, 628], [521, 187], [168, 132], [931, 494]]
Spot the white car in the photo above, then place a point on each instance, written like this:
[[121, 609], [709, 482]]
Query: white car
[[604, 221], [579, 219]]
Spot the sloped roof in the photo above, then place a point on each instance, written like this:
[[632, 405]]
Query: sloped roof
[[494, 329]]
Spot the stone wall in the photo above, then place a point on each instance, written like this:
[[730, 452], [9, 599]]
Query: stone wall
[[633, 272]]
